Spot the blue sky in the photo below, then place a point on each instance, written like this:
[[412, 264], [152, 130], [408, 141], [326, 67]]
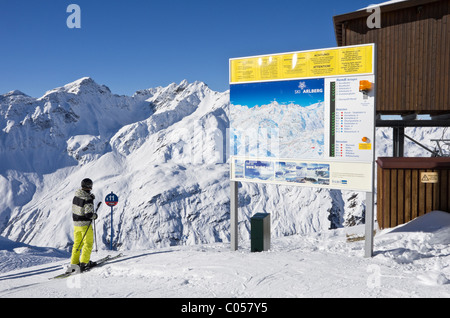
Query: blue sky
[[136, 44]]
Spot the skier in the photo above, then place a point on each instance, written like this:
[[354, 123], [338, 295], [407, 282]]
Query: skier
[[83, 214]]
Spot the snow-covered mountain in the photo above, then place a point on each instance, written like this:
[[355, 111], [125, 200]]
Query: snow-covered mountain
[[163, 151]]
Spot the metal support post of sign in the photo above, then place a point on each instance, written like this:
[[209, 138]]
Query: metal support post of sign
[[234, 215], [111, 201], [111, 245], [370, 214], [369, 225]]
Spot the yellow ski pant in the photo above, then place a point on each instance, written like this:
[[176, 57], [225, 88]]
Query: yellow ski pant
[[85, 247]]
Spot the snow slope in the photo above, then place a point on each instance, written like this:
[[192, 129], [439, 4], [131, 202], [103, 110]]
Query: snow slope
[[412, 260], [137, 146]]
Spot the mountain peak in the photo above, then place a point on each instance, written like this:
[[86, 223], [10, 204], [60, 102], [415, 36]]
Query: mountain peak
[[170, 90], [83, 81], [184, 83], [84, 85], [15, 92]]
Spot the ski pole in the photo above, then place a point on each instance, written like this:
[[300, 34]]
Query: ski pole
[[95, 228], [81, 242], [95, 237]]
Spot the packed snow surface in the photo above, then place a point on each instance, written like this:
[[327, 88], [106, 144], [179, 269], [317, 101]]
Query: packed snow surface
[[411, 260]]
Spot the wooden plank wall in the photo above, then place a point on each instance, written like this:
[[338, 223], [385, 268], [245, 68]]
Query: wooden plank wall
[[413, 57], [401, 196]]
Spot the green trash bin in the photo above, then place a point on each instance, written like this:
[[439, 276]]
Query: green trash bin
[[260, 232]]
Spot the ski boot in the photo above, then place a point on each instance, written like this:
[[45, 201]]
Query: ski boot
[[87, 266]]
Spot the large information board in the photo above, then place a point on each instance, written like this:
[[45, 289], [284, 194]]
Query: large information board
[[304, 118]]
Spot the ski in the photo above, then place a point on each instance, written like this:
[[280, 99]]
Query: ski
[[104, 260], [99, 263]]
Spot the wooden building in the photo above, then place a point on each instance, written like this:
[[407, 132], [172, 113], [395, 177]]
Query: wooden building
[[408, 190], [413, 53], [412, 40]]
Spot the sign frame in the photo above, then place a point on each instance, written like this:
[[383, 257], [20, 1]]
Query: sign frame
[[356, 140]]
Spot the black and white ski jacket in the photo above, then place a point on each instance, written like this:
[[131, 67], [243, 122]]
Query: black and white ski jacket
[[82, 208]]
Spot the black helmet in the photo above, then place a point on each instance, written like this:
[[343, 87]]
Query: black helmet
[[86, 184]]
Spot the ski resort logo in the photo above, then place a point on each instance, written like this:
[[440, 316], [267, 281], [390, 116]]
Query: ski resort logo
[[303, 89]]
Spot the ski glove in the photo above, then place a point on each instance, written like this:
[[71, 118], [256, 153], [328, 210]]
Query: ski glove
[[91, 216]]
